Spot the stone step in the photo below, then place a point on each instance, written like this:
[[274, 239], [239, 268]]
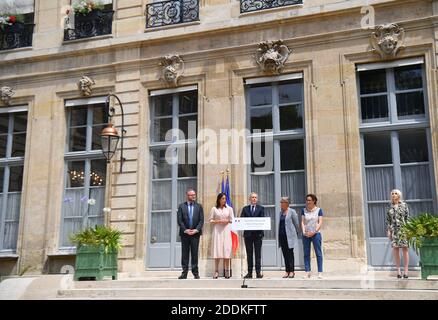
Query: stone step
[[249, 293], [411, 284]]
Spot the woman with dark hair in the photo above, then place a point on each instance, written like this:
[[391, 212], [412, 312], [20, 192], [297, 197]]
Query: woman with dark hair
[[221, 216], [311, 221]]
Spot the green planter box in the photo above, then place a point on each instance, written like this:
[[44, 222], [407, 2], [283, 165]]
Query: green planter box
[[429, 257], [93, 262]]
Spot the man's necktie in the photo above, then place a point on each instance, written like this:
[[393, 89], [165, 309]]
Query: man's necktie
[[191, 214]]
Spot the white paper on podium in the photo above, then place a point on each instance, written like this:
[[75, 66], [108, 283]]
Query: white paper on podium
[[252, 223]]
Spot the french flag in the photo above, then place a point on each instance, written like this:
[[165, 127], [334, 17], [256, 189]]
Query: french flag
[[225, 186]]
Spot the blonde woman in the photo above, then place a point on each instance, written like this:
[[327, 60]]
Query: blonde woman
[[396, 217]]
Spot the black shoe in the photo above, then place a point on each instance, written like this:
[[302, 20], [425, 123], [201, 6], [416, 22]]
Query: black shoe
[[183, 276], [259, 276], [399, 276], [248, 276], [196, 276], [405, 276]]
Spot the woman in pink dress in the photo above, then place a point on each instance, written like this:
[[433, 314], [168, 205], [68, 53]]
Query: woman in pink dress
[[221, 217]]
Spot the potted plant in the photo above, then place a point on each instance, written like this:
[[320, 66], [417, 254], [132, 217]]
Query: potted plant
[[96, 252], [91, 19], [422, 234]]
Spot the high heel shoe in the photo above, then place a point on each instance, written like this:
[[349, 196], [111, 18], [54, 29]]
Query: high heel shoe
[[216, 275], [286, 275], [227, 274]]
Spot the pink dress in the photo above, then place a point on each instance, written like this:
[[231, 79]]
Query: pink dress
[[221, 234]]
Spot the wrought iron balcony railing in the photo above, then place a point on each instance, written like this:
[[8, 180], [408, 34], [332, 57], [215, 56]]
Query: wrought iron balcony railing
[[255, 5], [159, 14], [95, 23], [17, 35]]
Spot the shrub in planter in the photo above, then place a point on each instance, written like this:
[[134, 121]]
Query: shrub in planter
[[422, 234], [96, 252]]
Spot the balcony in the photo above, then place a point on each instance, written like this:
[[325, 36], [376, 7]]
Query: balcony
[[95, 23], [165, 13], [17, 35], [256, 5]]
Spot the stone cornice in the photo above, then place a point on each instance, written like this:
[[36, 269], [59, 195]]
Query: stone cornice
[[217, 28]]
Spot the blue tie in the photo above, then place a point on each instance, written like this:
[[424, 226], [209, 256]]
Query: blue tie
[[190, 214]]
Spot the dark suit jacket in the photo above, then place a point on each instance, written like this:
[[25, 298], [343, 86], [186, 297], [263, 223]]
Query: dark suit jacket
[[183, 218], [258, 213]]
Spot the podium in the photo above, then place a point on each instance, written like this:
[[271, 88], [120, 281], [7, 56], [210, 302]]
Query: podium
[[250, 224]]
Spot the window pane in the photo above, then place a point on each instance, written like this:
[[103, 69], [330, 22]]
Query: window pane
[[413, 146], [78, 139], [374, 108], [261, 118], [377, 148], [18, 144], [291, 117], [75, 174], [161, 226], [260, 95], [78, 116], [161, 126], [373, 81], [293, 185], [270, 234], [160, 167], [410, 103], [20, 121], [188, 102], [416, 182], [291, 91], [186, 123], [377, 219], [380, 182], [4, 123], [15, 178], [187, 161], [96, 142], [98, 173], [163, 105], [3, 144], [408, 77], [161, 195], [2, 176], [262, 156], [99, 114], [263, 185], [95, 212], [292, 155]]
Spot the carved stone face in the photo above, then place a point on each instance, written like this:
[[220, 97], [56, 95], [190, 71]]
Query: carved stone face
[[388, 44], [170, 74]]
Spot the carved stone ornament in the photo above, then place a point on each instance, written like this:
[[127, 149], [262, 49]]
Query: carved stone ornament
[[173, 68], [388, 40], [271, 56], [86, 84], [6, 94]]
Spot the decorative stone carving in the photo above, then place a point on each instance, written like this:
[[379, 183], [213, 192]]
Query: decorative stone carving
[[173, 68], [388, 40], [86, 84], [271, 56], [6, 94]]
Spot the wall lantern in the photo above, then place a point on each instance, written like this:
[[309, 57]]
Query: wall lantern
[[109, 135]]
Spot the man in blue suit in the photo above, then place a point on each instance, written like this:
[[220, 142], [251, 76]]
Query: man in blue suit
[[253, 238], [190, 221]]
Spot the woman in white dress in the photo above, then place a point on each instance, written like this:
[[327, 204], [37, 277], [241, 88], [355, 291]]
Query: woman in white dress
[[221, 217]]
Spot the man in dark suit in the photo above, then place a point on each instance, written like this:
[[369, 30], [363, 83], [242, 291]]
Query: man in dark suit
[[253, 238], [190, 221]]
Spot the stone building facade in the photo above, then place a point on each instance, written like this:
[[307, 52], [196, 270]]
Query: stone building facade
[[361, 94]]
